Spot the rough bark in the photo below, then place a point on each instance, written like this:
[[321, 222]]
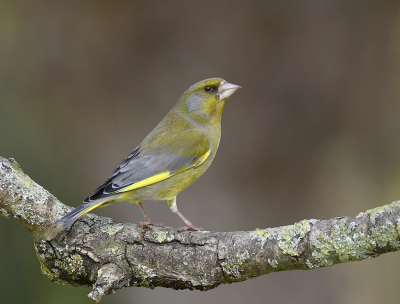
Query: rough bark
[[107, 255]]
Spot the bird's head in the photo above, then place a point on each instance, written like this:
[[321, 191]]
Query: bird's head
[[205, 100]]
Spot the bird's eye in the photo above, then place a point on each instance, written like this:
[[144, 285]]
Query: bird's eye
[[207, 88]]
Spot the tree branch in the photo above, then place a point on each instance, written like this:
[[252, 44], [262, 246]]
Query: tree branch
[[108, 255]]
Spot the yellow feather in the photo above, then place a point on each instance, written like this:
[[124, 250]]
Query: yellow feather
[[148, 181], [161, 176], [203, 158], [91, 208]]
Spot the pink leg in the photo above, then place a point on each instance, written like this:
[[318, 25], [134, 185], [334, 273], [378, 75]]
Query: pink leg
[[189, 225], [148, 221]]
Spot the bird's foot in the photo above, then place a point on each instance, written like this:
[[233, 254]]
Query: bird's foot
[[189, 227], [149, 222]]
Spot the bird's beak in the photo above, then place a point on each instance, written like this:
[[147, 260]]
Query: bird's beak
[[226, 89]]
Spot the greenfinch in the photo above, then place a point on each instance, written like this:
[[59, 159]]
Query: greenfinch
[[174, 155]]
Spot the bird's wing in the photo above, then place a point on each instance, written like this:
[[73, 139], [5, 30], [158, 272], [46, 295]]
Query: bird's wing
[[148, 165]]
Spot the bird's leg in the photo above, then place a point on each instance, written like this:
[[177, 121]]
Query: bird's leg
[[148, 221], [189, 225]]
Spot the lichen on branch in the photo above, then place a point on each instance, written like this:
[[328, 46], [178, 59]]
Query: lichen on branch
[[99, 252]]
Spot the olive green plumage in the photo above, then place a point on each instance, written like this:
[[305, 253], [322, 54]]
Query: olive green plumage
[[174, 155]]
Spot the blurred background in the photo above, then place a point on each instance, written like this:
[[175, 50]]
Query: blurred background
[[314, 133]]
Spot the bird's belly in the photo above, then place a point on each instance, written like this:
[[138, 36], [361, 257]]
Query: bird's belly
[[170, 187]]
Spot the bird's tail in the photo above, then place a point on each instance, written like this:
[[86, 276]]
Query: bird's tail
[[71, 217]]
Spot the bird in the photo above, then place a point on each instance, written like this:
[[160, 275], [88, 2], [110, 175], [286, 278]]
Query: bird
[[173, 156]]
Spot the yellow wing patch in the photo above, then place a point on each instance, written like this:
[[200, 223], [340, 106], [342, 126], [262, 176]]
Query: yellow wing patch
[[161, 176], [91, 208], [203, 158], [148, 181]]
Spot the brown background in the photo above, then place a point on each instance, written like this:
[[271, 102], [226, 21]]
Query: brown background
[[314, 133]]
